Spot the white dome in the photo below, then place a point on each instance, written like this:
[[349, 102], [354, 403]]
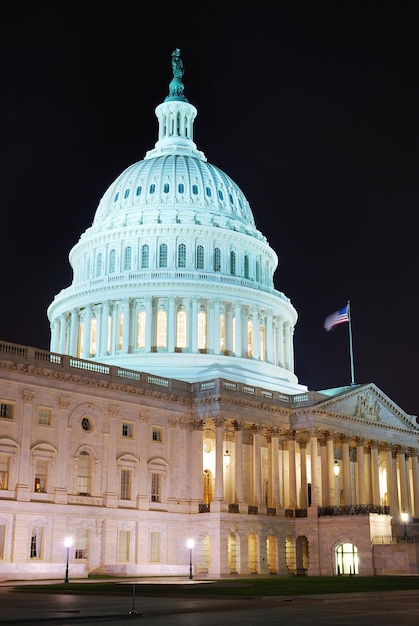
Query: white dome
[[173, 277]]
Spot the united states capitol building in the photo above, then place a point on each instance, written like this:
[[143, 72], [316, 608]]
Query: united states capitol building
[[165, 430]]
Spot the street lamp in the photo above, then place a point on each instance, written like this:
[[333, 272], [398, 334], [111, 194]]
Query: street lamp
[[190, 543], [68, 542], [405, 519]]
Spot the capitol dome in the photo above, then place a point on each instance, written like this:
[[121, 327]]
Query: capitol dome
[[173, 277]]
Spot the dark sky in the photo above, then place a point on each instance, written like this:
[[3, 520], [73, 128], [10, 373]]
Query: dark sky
[[311, 107]]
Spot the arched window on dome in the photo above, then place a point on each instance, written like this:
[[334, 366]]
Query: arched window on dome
[[181, 329], [195, 190], [222, 333], [202, 330], [200, 257], [141, 322], [145, 256], [257, 271], [127, 258], [112, 262], [163, 255], [161, 329], [87, 269], [246, 266], [99, 265], [232, 263], [249, 338], [181, 255], [217, 260]]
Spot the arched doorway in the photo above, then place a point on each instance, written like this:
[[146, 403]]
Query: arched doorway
[[346, 559]]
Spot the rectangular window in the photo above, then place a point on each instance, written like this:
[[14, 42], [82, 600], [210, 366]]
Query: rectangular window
[[2, 539], [44, 416], [81, 543], [36, 543], [123, 545], [127, 430], [125, 484], [155, 487], [41, 470], [156, 434], [4, 471], [6, 410], [155, 547]]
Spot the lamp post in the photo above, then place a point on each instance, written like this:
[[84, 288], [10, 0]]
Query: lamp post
[[405, 518], [190, 543], [68, 542]]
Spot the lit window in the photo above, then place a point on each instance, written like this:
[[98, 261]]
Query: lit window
[[155, 487], [36, 543], [84, 474], [44, 416], [125, 484], [141, 320], [250, 338], [4, 471], [202, 330], [162, 329], [181, 332], [123, 545], [155, 546], [81, 543], [41, 469]]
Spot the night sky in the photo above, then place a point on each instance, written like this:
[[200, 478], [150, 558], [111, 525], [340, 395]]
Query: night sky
[[312, 108]]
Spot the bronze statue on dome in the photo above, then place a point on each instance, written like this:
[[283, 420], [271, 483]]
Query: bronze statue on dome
[[176, 85]]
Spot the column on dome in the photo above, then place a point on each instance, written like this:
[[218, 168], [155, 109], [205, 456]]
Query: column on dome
[[194, 325], [346, 470], [219, 455], [148, 304], [229, 337], [74, 332], [404, 500], [216, 334], [269, 339], [55, 335], [238, 349], [375, 474], [281, 355], [315, 475], [291, 437], [289, 353], [62, 327], [104, 329], [360, 474], [257, 464], [324, 473], [332, 499], [171, 324], [256, 333], [96, 319], [414, 453], [114, 327], [303, 499], [87, 316], [238, 472]]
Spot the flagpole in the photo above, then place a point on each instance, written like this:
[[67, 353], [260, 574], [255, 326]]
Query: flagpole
[[351, 352]]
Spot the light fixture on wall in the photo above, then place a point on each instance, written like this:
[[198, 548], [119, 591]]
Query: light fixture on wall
[[336, 468], [227, 458]]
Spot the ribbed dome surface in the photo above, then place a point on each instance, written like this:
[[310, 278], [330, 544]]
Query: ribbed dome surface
[[174, 189]]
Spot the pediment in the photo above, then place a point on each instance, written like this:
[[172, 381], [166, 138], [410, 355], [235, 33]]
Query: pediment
[[369, 405]]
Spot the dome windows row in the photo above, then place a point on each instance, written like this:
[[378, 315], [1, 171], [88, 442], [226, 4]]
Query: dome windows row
[[183, 256]]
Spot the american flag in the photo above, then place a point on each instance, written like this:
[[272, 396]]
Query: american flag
[[339, 317]]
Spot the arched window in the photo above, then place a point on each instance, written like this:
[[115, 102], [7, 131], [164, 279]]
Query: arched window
[[200, 257], [145, 256], [202, 330], [141, 320], [161, 329], [163, 255], [217, 260], [181, 255], [84, 474], [246, 266], [181, 329], [258, 271], [127, 258], [112, 261], [232, 263], [99, 265]]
